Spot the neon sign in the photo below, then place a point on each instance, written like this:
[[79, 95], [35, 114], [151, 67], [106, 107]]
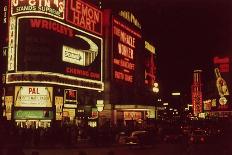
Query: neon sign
[[223, 64], [11, 44], [51, 25], [42, 53], [125, 42], [84, 15], [130, 17], [51, 7], [150, 66]]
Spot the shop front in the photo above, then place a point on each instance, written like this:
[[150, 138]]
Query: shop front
[[133, 116]]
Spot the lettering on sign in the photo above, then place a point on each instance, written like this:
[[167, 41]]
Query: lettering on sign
[[54, 8], [5, 14], [29, 96], [51, 25], [124, 47], [11, 44], [84, 15]]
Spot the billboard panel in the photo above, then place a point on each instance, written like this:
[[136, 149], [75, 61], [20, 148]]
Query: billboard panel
[[222, 82], [33, 96], [58, 48], [53, 8], [150, 64], [124, 52]]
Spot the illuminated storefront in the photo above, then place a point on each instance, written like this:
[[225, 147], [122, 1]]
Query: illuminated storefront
[[54, 60]]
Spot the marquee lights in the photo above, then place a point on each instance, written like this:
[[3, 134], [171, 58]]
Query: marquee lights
[[53, 78]]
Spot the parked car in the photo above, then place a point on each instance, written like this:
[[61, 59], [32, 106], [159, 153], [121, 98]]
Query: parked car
[[140, 138], [121, 138], [198, 136]]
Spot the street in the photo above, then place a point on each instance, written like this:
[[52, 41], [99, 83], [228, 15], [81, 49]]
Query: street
[[159, 149]]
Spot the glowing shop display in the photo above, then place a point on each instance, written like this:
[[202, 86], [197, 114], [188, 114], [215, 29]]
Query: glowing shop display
[[84, 15], [31, 96], [132, 115], [51, 7], [124, 49]]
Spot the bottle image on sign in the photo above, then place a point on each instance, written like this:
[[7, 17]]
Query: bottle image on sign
[[221, 84]]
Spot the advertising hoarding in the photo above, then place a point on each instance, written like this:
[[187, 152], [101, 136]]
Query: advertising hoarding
[[33, 114], [33, 96], [51, 7], [75, 55], [124, 52], [222, 82], [150, 64]]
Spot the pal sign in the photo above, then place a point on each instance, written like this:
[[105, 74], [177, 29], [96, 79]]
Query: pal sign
[[31, 96]]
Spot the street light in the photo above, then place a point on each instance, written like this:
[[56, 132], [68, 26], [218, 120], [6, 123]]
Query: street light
[[155, 89]]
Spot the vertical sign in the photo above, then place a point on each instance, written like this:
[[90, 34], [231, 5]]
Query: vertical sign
[[150, 66], [125, 45], [11, 45]]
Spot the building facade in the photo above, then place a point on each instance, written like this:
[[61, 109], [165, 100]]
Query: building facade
[[60, 57]]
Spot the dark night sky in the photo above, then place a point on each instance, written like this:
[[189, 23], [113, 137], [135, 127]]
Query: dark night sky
[[187, 34]]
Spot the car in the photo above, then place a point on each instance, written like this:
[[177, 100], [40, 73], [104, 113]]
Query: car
[[198, 136], [140, 138]]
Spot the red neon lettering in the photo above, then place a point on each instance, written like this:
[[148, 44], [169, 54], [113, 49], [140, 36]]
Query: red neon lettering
[[76, 71], [128, 78], [33, 90], [83, 15], [118, 75], [218, 60], [50, 25], [125, 51]]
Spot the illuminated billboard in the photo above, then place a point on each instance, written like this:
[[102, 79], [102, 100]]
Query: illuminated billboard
[[55, 41], [51, 7], [72, 52], [124, 52], [222, 82], [150, 64], [81, 14], [33, 96]]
